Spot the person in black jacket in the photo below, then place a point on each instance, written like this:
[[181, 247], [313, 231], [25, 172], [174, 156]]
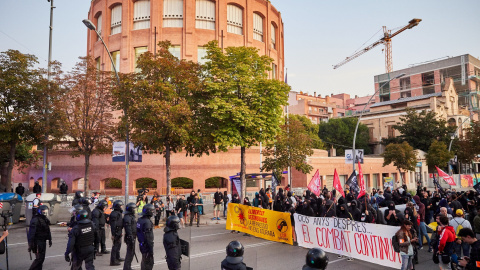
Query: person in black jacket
[[116, 224], [171, 243], [234, 259], [343, 212], [145, 236], [73, 219], [194, 203], [63, 188], [353, 209], [20, 190], [76, 199], [80, 243], [85, 202], [393, 217], [180, 208], [38, 235], [130, 226], [37, 188], [99, 220], [472, 262]]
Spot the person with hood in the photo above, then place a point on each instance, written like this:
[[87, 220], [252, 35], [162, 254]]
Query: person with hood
[[386, 201], [354, 211], [257, 201], [37, 188], [393, 216], [264, 198], [307, 209], [63, 188], [446, 240], [423, 227], [278, 204], [329, 206], [246, 202], [20, 190], [343, 212]]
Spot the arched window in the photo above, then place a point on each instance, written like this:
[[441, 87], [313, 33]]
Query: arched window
[[173, 13], [274, 35], [205, 14], [257, 27], [234, 20], [141, 14], [116, 21], [99, 25]]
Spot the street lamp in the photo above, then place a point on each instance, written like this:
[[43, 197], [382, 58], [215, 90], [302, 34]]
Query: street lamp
[[91, 26], [361, 114]]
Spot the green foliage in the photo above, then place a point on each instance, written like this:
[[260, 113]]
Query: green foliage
[[311, 128], [291, 147], [214, 182], [421, 129], [438, 155], [182, 182], [401, 155], [469, 146], [145, 182], [338, 132], [113, 183]]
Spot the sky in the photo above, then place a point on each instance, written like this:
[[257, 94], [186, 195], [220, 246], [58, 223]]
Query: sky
[[318, 34]]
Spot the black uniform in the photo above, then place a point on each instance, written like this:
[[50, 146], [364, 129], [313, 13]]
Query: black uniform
[[173, 248], [145, 241], [37, 188], [130, 226], [99, 220], [38, 234], [20, 190], [80, 244], [63, 188], [233, 263], [116, 224]]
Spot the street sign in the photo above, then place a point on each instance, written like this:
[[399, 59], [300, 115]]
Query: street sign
[[349, 156], [419, 164]]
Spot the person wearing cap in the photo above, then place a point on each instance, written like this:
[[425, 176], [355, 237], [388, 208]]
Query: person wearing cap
[[456, 222], [36, 204]]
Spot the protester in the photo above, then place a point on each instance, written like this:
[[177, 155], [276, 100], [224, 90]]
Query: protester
[[422, 232], [20, 190], [446, 241], [63, 188], [37, 188], [226, 199], [169, 207], [470, 262], [458, 223], [180, 207], [217, 204], [406, 239]]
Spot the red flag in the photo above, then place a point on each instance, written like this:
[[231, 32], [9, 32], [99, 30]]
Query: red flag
[[446, 177], [315, 185], [361, 182], [469, 179], [336, 183]]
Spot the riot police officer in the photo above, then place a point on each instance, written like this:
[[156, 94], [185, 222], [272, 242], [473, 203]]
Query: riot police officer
[[234, 259], [171, 243], [80, 243], [38, 235], [116, 224], [99, 220], [85, 202], [73, 219], [316, 260], [130, 226], [76, 199], [145, 236]]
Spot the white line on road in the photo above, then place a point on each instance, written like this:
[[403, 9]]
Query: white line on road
[[208, 235]]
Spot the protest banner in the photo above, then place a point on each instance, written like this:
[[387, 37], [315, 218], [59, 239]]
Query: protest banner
[[388, 182], [363, 241], [262, 223], [315, 184]]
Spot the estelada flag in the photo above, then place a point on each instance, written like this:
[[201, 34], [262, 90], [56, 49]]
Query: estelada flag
[[315, 185], [446, 177], [336, 183], [361, 182]]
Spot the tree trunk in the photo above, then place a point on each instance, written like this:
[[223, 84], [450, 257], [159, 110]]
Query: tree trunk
[[243, 168], [11, 163], [167, 165], [87, 171], [401, 177]]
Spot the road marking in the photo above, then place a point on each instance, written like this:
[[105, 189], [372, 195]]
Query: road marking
[[209, 235]]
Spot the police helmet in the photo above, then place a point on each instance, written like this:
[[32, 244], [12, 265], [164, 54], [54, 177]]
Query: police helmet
[[148, 210], [235, 249], [173, 222], [79, 194], [85, 201], [81, 215], [117, 205], [316, 259], [102, 204], [77, 207], [131, 207], [43, 210]]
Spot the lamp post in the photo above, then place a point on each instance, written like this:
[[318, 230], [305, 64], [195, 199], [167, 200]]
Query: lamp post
[[361, 114], [91, 26]]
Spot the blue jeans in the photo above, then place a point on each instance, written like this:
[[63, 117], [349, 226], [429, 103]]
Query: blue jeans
[[423, 232], [406, 262], [459, 247]]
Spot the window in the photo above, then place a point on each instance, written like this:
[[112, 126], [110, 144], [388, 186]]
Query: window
[[175, 51], [99, 26], [116, 22], [205, 14], [97, 63], [274, 34], [139, 51], [234, 20], [405, 88], [173, 13], [257, 27], [116, 60], [202, 52], [391, 131], [274, 71], [141, 14], [370, 134]]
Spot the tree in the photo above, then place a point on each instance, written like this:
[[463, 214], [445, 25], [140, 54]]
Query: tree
[[21, 95], [311, 128], [165, 108], [438, 155], [85, 111], [245, 104], [421, 129], [338, 133], [291, 147], [401, 155], [469, 146]]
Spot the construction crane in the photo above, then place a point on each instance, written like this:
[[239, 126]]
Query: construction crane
[[387, 41]]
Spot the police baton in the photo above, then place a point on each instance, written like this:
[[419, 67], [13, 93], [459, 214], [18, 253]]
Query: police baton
[[29, 252], [135, 254]]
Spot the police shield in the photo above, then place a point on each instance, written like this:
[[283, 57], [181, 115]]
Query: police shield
[[185, 247]]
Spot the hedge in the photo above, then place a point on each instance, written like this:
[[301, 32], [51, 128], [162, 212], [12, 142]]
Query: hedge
[[182, 182], [146, 182], [113, 183]]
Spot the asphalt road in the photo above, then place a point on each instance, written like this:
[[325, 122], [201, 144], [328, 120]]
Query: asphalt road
[[208, 244]]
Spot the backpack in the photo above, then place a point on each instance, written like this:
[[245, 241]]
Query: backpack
[[395, 243], [459, 227]]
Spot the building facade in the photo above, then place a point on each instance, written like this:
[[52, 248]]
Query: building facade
[[131, 28]]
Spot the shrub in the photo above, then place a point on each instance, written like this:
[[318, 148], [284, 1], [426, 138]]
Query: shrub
[[146, 182], [213, 182], [182, 182], [113, 183]]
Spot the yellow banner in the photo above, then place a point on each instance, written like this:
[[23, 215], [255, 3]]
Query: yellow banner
[[263, 223]]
